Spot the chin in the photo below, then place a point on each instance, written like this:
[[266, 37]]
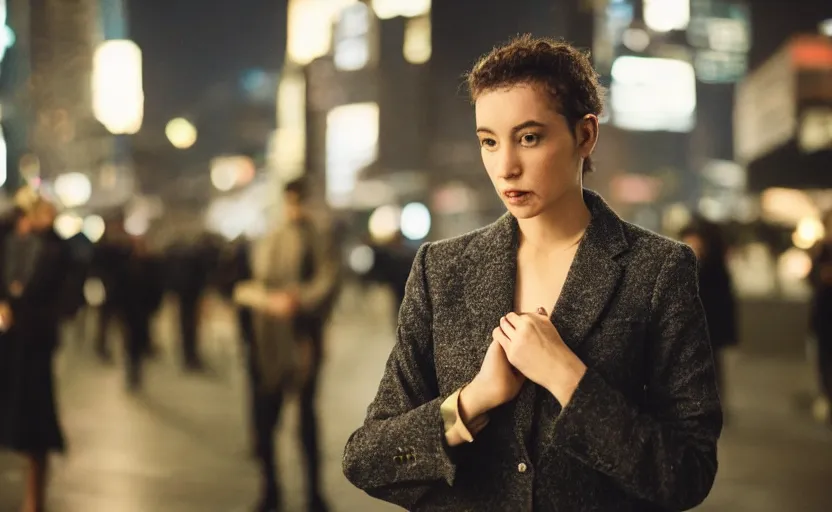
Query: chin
[[523, 212]]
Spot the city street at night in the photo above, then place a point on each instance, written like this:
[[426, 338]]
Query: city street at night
[[212, 212]]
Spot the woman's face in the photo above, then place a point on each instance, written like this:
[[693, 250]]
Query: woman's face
[[528, 149]]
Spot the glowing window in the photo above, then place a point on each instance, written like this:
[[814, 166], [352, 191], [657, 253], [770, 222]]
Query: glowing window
[[351, 144], [352, 41], [417, 40], [667, 15], [386, 9], [118, 97], [310, 28], [653, 94]]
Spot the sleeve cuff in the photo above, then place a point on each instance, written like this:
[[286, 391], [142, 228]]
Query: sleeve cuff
[[456, 431], [580, 429]]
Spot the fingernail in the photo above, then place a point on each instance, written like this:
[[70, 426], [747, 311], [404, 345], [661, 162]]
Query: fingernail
[[541, 311]]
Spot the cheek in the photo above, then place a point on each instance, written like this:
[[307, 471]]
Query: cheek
[[543, 165], [489, 162], [556, 162]]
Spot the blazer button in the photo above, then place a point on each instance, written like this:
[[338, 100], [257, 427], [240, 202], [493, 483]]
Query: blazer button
[[397, 459], [522, 467]]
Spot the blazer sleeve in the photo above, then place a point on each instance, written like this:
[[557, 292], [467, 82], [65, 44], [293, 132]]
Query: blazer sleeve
[[400, 452], [665, 452]]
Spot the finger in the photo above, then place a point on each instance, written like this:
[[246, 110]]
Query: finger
[[514, 318], [503, 341], [542, 311], [507, 326], [497, 334]]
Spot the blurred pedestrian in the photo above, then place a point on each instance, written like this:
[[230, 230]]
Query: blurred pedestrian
[[190, 267], [295, 282], [34, 268], [821, 312], [391, 267], [715, 289], [144, 281], [109, 266]]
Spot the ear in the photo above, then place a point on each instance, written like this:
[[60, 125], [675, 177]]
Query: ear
[[586, 133]]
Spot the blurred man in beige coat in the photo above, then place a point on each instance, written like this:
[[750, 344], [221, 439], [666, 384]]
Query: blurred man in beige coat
[[295, 278]]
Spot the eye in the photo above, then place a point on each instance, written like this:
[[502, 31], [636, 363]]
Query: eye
[[529, 139], [488, 143]]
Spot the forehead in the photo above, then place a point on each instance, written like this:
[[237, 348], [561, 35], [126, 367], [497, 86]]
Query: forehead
[[509, 106]]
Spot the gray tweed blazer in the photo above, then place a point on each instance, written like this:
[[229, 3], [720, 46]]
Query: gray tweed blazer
[[641, 430]]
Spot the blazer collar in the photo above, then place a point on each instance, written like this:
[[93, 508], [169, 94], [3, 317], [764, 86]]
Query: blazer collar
[[491, 270]]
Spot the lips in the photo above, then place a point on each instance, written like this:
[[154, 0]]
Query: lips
[[516, 197]]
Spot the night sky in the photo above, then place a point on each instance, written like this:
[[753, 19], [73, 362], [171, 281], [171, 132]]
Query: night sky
[[190, 45]]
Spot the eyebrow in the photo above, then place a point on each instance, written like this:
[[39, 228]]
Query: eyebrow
[[531, 123]]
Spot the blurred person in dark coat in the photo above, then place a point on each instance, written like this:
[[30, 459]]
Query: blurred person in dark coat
[[190, 268], [715, 288], [34, 266], [391, 266], [144, 284], [295, 280], [821, 320], [109, 263]]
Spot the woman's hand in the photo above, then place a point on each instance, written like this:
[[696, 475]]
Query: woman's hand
[[533, 345], [282, 304], [496, 383]]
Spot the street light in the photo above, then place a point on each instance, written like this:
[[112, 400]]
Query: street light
[[181, 133]]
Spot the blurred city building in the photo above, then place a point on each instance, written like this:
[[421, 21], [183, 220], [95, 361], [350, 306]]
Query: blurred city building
[[71, 96], [390, 74], [784, 117]]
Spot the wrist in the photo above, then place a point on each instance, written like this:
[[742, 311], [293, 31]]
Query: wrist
[[472, 402], [565, 380]]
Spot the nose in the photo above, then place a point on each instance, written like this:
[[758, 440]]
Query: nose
[[508, 163]]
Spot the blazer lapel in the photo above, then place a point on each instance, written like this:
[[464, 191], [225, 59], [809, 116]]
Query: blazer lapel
[[490, 274], [490, 278], [594, 275]]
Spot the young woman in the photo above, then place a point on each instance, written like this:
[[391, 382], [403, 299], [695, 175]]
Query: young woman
[[557, 359]]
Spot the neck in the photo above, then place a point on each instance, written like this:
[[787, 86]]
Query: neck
[[558, 227]]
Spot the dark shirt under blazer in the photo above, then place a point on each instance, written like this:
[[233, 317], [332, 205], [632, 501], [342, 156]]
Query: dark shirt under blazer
[[640, 432]]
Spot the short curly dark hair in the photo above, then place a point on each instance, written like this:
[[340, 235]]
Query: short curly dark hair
[[565, 72]]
